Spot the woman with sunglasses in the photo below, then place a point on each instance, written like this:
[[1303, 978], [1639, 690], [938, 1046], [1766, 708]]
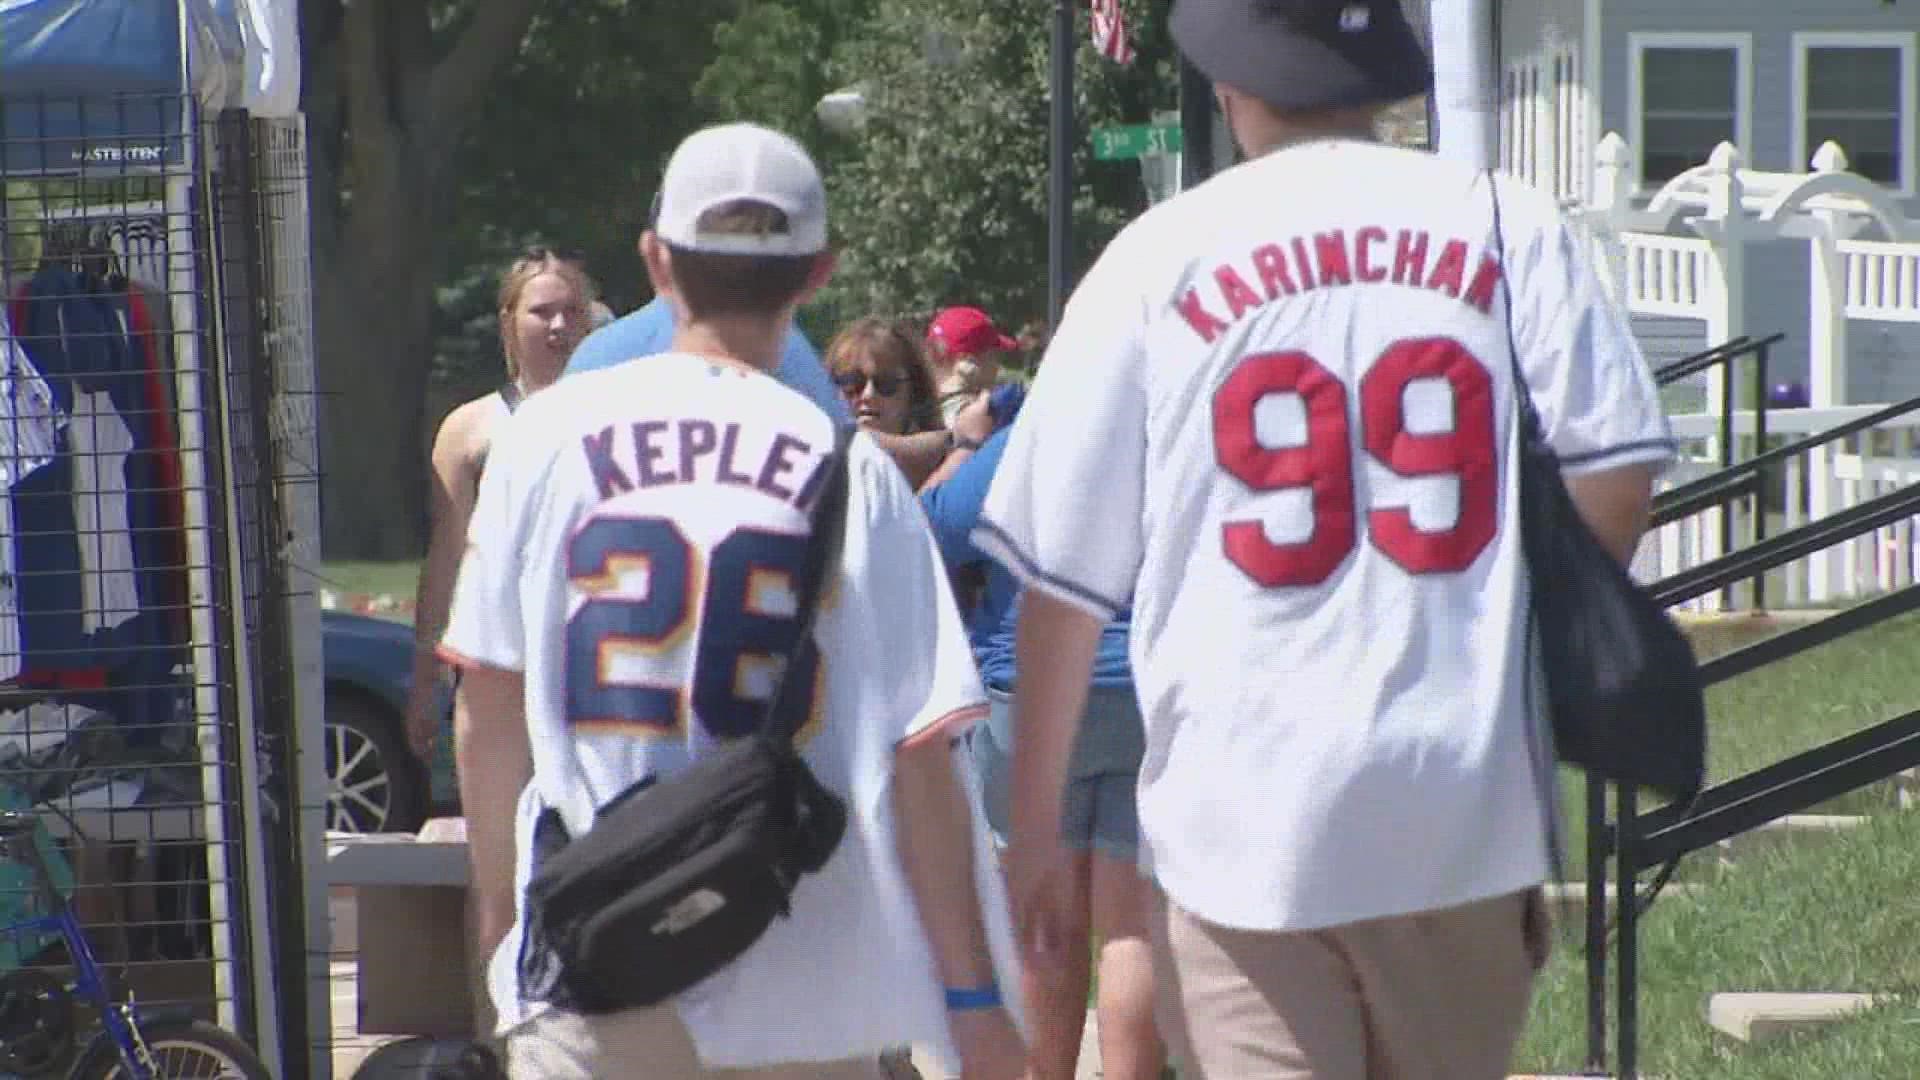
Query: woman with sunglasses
[[546, 306], [879, 370]]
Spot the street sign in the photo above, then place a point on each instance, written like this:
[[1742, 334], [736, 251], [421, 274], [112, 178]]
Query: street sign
[[1129, 141]]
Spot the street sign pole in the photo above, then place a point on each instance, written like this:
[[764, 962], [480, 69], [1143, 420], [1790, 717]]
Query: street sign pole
[[1196, 126], [1060, 171]]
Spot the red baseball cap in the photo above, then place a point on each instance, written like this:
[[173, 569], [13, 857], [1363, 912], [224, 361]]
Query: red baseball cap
[[968, 331]]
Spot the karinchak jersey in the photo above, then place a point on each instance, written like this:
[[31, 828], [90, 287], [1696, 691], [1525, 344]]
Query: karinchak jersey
[[1280, 414], [633, 551]]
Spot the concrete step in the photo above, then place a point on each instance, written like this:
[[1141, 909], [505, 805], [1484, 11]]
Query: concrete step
[[1905, 788], [1791, 829], [1757, 1017]]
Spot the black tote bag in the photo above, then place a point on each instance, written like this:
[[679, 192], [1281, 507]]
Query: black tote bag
[[1623, 685]]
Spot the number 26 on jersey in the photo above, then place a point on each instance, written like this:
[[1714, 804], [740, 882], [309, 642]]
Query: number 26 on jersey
[[740, 634], [1324, 464]]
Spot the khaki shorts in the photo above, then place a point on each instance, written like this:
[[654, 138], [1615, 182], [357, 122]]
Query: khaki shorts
[[1438, 995], [650, 1043]]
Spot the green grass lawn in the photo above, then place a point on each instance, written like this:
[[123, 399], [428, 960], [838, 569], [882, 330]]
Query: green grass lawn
[[1835, 915], [396, 579], [1782, 709], [1832, 914]]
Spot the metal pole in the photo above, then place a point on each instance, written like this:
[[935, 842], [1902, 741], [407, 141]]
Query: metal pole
[[1626, 848], [1762, 380], [1727, 457], [1060, 173], [1596, 925], [1196, 126]]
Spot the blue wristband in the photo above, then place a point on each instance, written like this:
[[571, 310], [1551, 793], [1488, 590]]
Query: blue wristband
[[985, 997]]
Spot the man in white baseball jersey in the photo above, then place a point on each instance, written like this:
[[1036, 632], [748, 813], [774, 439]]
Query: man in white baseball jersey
[[629, 598], [1280, 414]]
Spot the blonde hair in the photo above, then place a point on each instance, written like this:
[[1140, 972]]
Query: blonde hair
[[886, 340], [521, 272]]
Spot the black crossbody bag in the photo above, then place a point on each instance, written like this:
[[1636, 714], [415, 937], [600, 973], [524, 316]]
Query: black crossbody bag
[[1623, 685], [681, 875]]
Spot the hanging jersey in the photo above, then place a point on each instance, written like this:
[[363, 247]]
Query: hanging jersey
[[29, 434], [1292, 386], [101, 443], [633, 551]]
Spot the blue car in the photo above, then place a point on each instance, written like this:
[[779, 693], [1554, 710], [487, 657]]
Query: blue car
[[375, 783]]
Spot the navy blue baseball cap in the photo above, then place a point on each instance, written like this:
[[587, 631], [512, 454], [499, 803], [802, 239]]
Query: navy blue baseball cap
[[1299, 55]]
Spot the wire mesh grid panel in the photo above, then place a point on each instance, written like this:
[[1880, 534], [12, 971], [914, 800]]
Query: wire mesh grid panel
[[118, 690], [295, 679]]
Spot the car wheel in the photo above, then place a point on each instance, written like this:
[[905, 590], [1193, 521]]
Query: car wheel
[[373, 783]]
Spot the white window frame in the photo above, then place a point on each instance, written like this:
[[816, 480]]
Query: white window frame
[[1902, 41], [1638, 44]]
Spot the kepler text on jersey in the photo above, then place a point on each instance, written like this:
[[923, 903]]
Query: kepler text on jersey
[[1368, 255], [683, 451]]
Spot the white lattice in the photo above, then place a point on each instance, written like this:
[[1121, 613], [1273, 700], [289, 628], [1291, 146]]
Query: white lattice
[[1883, 280], [1668, 275]]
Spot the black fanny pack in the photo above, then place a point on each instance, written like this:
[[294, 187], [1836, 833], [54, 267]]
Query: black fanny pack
[[681, 875]]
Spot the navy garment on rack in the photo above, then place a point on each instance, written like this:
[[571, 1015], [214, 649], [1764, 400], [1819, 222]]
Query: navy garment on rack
[[75, 335]]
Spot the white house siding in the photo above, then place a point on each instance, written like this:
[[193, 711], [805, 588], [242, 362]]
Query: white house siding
[[1884, 359]]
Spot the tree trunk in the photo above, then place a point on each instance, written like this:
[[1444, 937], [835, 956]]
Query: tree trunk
[[386, 95], [374, 309]]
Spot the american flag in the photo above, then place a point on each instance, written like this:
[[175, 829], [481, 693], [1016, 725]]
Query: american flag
[[1110, 31]]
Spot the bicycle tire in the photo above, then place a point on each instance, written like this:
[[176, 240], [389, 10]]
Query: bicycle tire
[[102, 1060]]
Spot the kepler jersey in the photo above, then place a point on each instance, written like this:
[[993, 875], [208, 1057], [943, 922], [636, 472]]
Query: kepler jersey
[[635, 551]]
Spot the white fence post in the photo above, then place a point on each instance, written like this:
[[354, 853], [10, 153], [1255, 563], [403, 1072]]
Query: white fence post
[[1724, 227], [1612, 190], [1827, 365]]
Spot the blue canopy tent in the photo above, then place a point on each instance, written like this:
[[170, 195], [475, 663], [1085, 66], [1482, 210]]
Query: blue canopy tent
[[102, 83]]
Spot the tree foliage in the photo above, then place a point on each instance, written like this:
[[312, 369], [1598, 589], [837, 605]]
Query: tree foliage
[[942, 197], [447, 134], [567, 150]]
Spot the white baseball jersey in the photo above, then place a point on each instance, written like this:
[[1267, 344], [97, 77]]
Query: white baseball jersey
[[29, 426], [1280, 414], [633, 551], [101, 442]]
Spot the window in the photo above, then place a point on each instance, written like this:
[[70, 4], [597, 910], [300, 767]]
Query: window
[[1690, 94], [1856, 90]]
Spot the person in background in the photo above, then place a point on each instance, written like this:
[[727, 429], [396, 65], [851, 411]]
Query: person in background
[[545, 307], [878, 368], [650, 329], [965, 350], [1110, 900]]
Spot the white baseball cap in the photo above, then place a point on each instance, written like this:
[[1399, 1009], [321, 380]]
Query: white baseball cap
[[742, 162]]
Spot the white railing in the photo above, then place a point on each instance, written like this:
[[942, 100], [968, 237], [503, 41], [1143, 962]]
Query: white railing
[[1851, 470], [1883, 280], [1667, 275]]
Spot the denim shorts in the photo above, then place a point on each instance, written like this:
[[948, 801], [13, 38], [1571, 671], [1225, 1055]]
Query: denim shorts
[[1099, 812]]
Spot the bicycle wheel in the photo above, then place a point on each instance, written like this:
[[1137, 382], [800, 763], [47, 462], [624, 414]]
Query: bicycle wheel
[[183, 1050]]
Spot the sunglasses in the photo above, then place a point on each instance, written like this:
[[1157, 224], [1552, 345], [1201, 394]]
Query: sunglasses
[[854, 383]]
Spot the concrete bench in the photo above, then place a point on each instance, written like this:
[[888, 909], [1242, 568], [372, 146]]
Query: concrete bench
[[398, 904]]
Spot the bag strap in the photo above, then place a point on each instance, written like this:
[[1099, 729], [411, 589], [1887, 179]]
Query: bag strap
[[786, 713], [510, 396], [1530, 426]]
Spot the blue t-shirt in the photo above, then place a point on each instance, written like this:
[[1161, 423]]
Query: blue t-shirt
[[649, 331], [953, 509]]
